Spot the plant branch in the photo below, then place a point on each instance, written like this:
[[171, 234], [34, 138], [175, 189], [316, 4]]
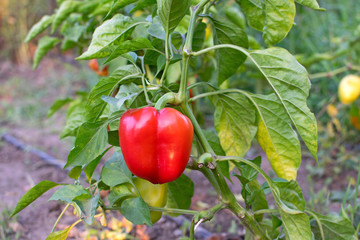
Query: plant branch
[[174, 210], [264, 211], [188, 47], [165, 99], [167, 210], [145, 90], [335, 72], [60, 216], [205, 144], [192, 230]]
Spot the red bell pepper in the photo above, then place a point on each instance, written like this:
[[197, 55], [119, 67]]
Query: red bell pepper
[[156, 144]]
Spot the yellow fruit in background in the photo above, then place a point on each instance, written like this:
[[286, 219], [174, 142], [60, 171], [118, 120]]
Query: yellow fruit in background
[[332, 110], [138, 13], [349, 89], [207, 31]]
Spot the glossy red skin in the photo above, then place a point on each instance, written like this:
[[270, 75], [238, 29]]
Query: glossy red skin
[[156, 145]]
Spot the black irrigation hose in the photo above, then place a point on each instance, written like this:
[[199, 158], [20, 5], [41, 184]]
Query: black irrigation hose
[[26, 148]]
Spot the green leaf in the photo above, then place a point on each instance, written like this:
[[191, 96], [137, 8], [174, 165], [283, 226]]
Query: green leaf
[[228, 60], [58, 104], [180, 193], [69, 192], [235, 123], [33, 194], [143, 4], [254, 11], [130, 46], [291, 195], [279, 20], [291, 85], [74, 118], [156, 29], [74, 32], [44, 46], [64, 11], [309, 3], [59, 235], [290, 201], [199, 37], [90, 168], [334, 227], [39, 27], [276, 136], [255, 198], [296, 225], [171, 12], [247, 172], [115, 171], [75, 172], [236, 17], [95, 104], [89, 144], [272, 17], [113, 138], [252, 193], [111, 33], [119, 193], [117, 5], [88, 206], [214, 142], [136, 211]]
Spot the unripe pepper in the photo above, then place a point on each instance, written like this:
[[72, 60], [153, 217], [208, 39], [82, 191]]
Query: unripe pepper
[[155, 195], [155, 144]]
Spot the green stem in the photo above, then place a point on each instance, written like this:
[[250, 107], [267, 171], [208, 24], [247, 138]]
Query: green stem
[[207, 94], [318, 223], [188, 48], [145, 90], [164, 73], [249, 221], [169, 97], [167, 210], [263, 211], [205, 144], [58, 219], [192, 230], [208, 174], [335, 72], [198, 53], [174, 210], [184, 78], [167, 57]]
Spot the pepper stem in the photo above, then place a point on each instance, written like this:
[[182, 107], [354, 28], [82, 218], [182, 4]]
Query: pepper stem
[[169, 97]]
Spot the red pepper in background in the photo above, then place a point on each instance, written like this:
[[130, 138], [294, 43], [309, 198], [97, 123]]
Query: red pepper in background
[[94, 65], [156, 144]]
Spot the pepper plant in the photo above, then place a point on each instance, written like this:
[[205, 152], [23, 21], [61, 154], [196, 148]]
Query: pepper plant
[[157, 51]]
